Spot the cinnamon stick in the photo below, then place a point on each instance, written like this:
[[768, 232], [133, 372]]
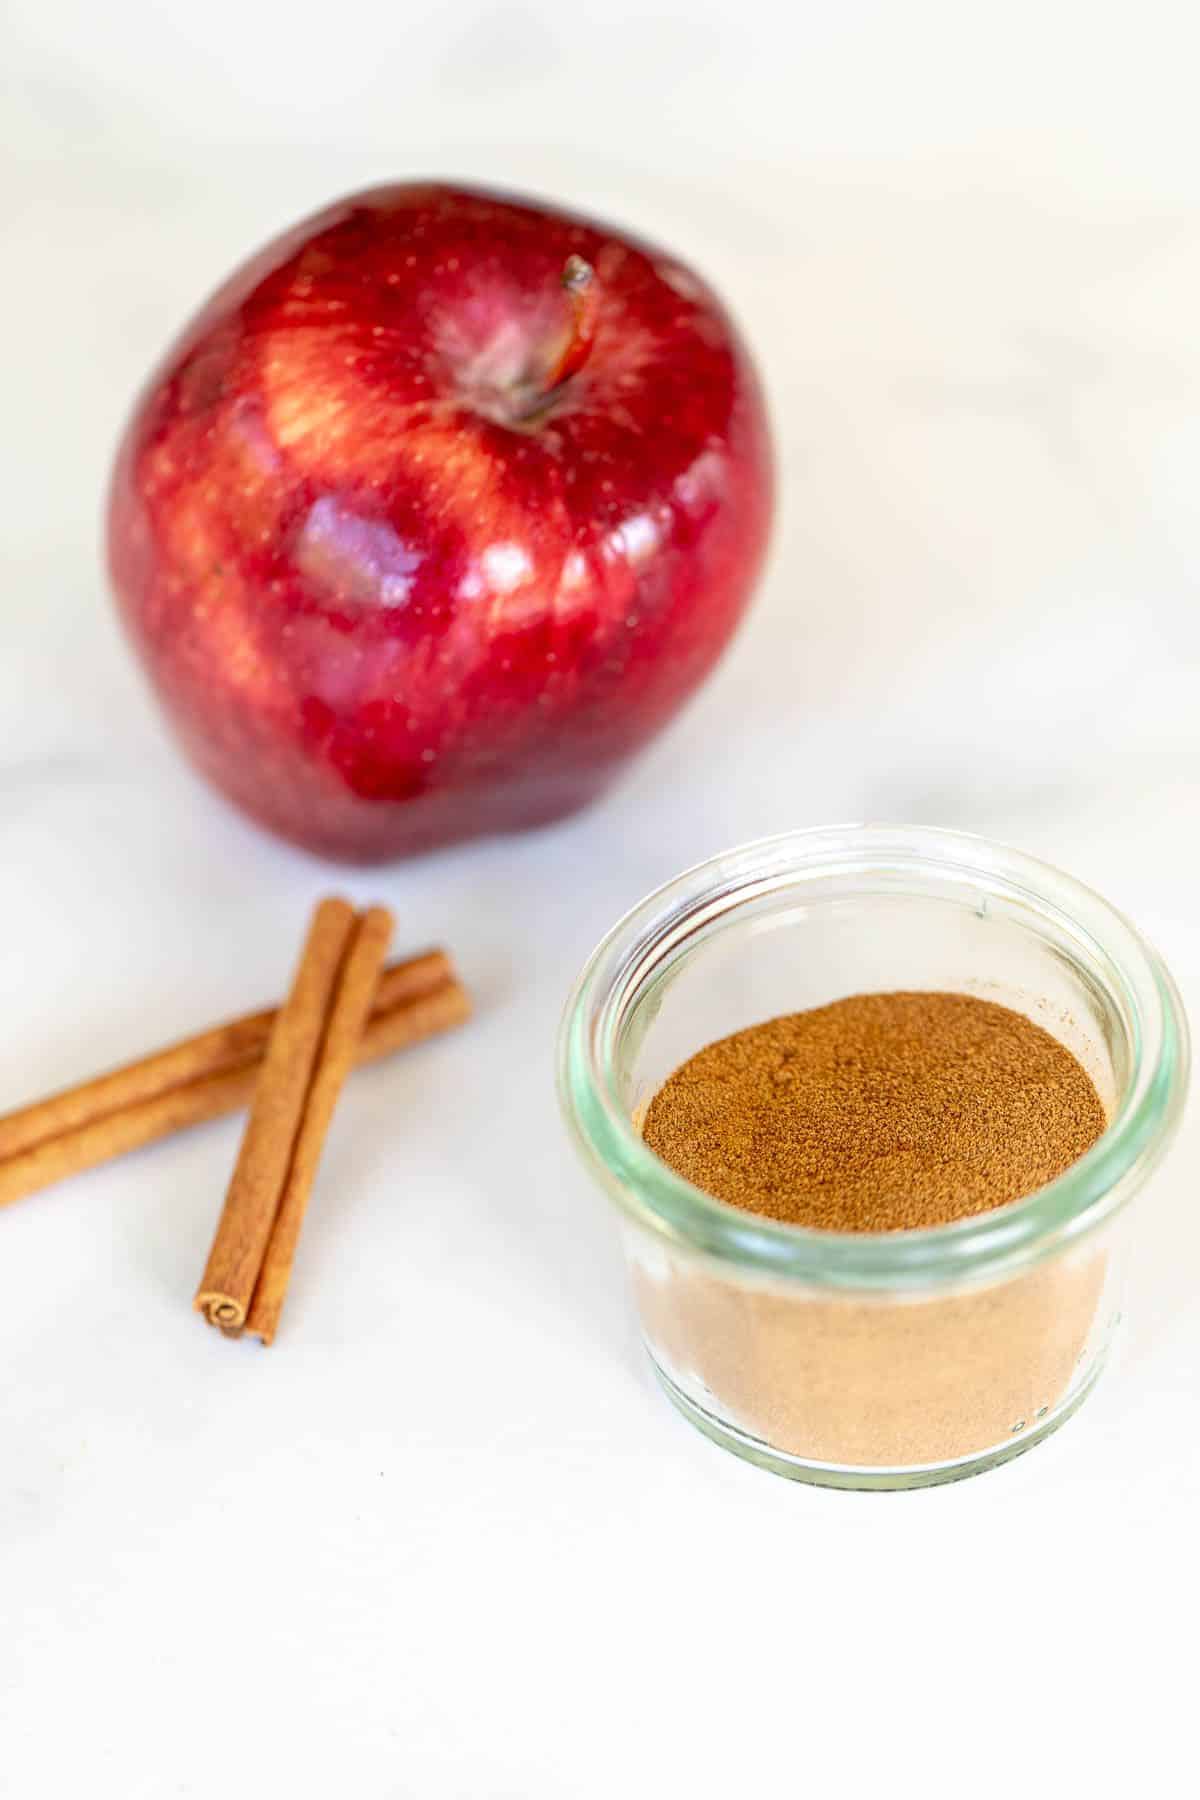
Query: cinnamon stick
[[57, 1158], [343, 1032], [204, 1077], [229, 1046], [227, 1284]]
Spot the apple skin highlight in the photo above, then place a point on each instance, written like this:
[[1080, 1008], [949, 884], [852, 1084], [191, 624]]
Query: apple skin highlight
[[421, 538]]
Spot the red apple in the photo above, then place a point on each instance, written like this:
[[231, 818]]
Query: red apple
[[439, 510]]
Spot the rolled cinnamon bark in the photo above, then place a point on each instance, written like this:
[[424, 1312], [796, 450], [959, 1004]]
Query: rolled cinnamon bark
[[204, 1077], [233, 1045], [339, 1045], [258, 1180]]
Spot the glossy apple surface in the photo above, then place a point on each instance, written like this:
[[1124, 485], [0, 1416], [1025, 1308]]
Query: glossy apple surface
[[437, 512]]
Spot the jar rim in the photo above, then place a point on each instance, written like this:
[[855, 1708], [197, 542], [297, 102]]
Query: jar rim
[[982, 1247]]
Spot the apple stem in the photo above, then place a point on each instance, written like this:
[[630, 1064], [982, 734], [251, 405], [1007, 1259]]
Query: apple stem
[[583, 297]]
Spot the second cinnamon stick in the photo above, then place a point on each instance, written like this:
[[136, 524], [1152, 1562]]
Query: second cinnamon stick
[[227, 1285], [100, 1138], [339, 1046], [222, 1047]]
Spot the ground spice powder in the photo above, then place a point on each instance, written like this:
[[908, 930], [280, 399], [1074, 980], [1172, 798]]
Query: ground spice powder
[[877, 1113]]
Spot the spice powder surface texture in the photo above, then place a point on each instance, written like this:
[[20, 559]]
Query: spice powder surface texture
[[880, 1112]]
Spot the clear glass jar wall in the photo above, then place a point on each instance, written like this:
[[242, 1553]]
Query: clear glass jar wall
[[873, 1360]]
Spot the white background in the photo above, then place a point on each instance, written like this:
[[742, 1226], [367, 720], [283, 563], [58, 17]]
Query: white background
[[446, 1539]]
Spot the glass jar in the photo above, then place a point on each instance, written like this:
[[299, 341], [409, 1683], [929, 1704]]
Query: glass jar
[[874, 1359]]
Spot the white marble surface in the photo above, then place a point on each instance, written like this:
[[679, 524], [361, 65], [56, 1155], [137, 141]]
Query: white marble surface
[[446, 1539]]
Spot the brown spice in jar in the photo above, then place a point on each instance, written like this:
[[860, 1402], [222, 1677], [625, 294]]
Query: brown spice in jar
[[880, 1112]]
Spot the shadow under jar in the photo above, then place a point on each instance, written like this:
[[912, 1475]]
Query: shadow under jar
[[873, 1359]]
